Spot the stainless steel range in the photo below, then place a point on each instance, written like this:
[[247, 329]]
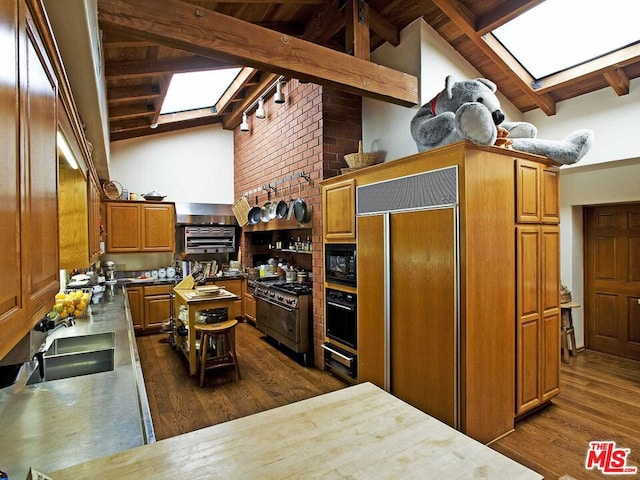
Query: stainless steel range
[[284, 313]]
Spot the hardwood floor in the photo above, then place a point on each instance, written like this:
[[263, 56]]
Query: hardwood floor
[[270, 379], [599, 400]]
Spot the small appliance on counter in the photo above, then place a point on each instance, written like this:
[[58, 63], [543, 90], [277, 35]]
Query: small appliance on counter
[[110, 272]]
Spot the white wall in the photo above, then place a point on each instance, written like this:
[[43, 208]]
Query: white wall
[[423, 53], [191, 165], [609, 173]]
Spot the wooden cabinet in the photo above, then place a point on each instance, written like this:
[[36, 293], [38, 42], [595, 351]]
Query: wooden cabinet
[[135, 296], [28, 185], [235, 286], [73, 217], [536, 193], [140, 227], [249, 306], [94, 217], [149, 306], [440, 277], [339, 212]]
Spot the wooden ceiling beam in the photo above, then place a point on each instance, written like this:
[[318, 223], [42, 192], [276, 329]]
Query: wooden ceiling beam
[[502, 14], [466, 21], [357, 29], [241, 81], [131, 111], [618, 81], [187, 115], [208, 33], [167, 66], [383, 27], [233, 119], [133, 93]]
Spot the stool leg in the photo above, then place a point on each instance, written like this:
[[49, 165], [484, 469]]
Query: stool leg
[[232, 351], [574, 348], [565, 346], [203, 356]]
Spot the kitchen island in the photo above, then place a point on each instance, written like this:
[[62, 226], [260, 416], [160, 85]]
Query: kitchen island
[[56, 424], [357, 432]]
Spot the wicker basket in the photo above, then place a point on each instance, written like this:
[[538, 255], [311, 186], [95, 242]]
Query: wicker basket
[[565, 294], [360, 159]]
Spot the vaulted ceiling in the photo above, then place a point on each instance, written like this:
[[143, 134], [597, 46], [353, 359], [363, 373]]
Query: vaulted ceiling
[[327, 42]]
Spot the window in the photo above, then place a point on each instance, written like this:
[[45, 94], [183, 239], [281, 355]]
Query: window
[[194, 90]]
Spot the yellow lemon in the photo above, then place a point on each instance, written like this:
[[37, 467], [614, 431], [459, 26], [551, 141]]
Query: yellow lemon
[[81, 306], [60, 295], [64, 314], [58, 307], [71, 309]]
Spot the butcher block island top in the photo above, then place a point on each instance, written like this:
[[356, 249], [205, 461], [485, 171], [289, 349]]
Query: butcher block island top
[[357, 432]]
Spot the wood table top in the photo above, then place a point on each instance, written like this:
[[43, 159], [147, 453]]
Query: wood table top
[[359, 432]]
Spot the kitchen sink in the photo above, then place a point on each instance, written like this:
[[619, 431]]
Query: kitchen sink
[[75, 356], [70, 365], [82, 343]]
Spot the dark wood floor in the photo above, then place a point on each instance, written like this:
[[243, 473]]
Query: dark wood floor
[[599, 400]]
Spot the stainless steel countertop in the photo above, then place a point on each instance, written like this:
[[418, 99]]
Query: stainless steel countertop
[[56, 424]]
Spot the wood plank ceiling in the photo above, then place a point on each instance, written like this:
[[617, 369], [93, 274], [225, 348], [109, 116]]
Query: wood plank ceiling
[[324, 41]]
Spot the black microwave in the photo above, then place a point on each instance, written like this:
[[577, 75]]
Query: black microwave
[[340, 263]]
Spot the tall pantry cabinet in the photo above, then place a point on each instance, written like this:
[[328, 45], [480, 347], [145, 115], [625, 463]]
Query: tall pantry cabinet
[[28, 186], [444, 283]]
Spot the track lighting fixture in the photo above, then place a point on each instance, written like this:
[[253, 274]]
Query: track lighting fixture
[[279, 96], [260, 113], [244, 126]]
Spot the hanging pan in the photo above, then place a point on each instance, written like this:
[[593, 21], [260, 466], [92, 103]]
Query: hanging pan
[[281, 209], [254, 214], [300, 207], [264, 213]]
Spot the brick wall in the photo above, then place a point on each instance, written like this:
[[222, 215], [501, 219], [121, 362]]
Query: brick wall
[[311, 131]]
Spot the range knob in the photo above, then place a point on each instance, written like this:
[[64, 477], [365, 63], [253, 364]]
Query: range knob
[[280, 297]]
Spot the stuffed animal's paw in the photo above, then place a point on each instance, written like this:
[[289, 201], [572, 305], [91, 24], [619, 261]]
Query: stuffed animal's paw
[[520, 129], [474, 122]]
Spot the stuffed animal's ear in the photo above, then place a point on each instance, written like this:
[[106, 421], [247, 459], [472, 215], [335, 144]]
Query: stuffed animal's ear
[[492, 86], [449, 82]]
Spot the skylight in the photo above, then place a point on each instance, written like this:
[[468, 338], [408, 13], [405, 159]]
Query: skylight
[[194, 90], [559, 34]]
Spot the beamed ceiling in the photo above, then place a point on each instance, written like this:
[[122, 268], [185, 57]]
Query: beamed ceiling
[[327, 42]]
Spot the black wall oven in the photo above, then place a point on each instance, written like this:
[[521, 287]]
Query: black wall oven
[[340, 263], [340, 319]]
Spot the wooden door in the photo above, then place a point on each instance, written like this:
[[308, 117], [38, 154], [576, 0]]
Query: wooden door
[[423, 311], [94, 217], [158, 228], [39, 227], [123, 227], [10, 286], [371, 325], [612, 302]]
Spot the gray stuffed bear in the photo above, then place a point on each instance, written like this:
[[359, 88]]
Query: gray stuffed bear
[[470, 110]]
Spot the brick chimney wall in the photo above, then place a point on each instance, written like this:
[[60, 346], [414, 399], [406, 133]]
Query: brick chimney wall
[[310, 132]]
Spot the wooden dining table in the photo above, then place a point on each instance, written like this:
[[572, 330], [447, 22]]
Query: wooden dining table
[[359, 432]]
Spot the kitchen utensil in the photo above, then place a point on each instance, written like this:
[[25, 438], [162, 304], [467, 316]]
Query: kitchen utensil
[[300, 207], [291, 203], [281, 209], [241, 211], [154, 196], [264, 213], [254, 214], [273, 207]]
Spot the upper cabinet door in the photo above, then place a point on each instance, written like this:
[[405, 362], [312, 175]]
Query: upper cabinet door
[[123, 227], [158, 228], [340, 211], [10, 286], [536, 193], [38, 89]]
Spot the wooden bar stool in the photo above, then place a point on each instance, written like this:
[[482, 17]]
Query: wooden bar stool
[[217, 346], [567, 331]]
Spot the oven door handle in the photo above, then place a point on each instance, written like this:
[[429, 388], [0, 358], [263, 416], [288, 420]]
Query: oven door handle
[[337, 305], [288, 309]]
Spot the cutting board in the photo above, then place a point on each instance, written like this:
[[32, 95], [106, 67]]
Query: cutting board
[[241, 211]]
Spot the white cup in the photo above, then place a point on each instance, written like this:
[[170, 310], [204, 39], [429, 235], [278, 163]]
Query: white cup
[[154, 273], [162, 273]]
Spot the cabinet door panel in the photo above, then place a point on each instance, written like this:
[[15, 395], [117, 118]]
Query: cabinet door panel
[[528, 365], [158, 232], [40, 194], [549, 196], [339, 212], [423, 311], [135, 296], [156, 310], [123, 227], [10, 286], [527, 192], [370, 266]]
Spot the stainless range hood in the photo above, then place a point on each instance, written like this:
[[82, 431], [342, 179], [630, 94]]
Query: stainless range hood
[[204, 214]]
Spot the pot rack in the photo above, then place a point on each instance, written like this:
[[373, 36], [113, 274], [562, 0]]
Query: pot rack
[[273, 186]]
